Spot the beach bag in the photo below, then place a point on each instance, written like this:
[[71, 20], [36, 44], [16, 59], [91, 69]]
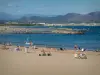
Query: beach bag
[[49, 54]]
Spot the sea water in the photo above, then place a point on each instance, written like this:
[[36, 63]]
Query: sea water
[[90, 40]]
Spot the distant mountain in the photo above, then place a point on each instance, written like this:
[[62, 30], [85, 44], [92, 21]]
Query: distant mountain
[[95, 16], [68, 18], [5, 16], [41, 15]]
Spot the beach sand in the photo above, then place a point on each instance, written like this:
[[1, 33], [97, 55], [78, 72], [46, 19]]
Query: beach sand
[[60, 63]]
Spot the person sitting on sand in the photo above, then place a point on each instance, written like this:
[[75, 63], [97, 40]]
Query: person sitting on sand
[[17, 48], [5, 47], [61, 49], [43, 53], [80, 54], [83, 49]]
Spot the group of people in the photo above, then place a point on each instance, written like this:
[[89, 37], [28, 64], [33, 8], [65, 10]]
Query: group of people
[[79, 52], [44, 53], [26, 47], [77, 48]]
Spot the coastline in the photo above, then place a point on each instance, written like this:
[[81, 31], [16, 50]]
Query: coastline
[[53, 47], [39, 48], [62, 43], [47, 24]]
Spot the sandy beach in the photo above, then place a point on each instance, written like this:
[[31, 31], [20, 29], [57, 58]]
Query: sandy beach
[[60, 63]]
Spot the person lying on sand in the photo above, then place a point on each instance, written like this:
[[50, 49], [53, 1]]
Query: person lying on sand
[[45, 53], [5, 47], [49, 53]]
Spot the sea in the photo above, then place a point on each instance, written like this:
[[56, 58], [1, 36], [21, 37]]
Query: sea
[[90, 40]]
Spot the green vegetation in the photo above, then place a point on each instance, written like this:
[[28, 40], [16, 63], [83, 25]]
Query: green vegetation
[[21, 25]]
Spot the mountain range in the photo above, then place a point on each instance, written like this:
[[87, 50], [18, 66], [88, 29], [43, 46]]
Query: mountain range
[[67, 18]]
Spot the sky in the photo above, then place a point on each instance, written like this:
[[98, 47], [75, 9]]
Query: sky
[[49, 7]]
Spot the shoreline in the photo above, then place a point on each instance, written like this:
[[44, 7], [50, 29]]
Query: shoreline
[[70, 46], [57, 47], [50, 48]]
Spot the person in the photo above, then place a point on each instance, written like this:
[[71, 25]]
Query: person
[[79, 48], [76, 55], [31, 44], [10, 44], [17, 48], [49, 53], [34, 47], [76, 47], [43, 53], [61, 49], [26, 47], [82, 49]]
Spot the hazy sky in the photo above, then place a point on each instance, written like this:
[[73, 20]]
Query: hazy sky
[[49, 7]]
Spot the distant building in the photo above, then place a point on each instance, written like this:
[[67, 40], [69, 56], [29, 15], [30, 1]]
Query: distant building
[[41, 23], [11, 22]]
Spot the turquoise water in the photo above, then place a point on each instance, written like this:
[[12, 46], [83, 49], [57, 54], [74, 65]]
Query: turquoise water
[[90, 40]]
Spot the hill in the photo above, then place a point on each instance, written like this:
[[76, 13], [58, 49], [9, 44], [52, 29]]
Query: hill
[[67, 18]]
